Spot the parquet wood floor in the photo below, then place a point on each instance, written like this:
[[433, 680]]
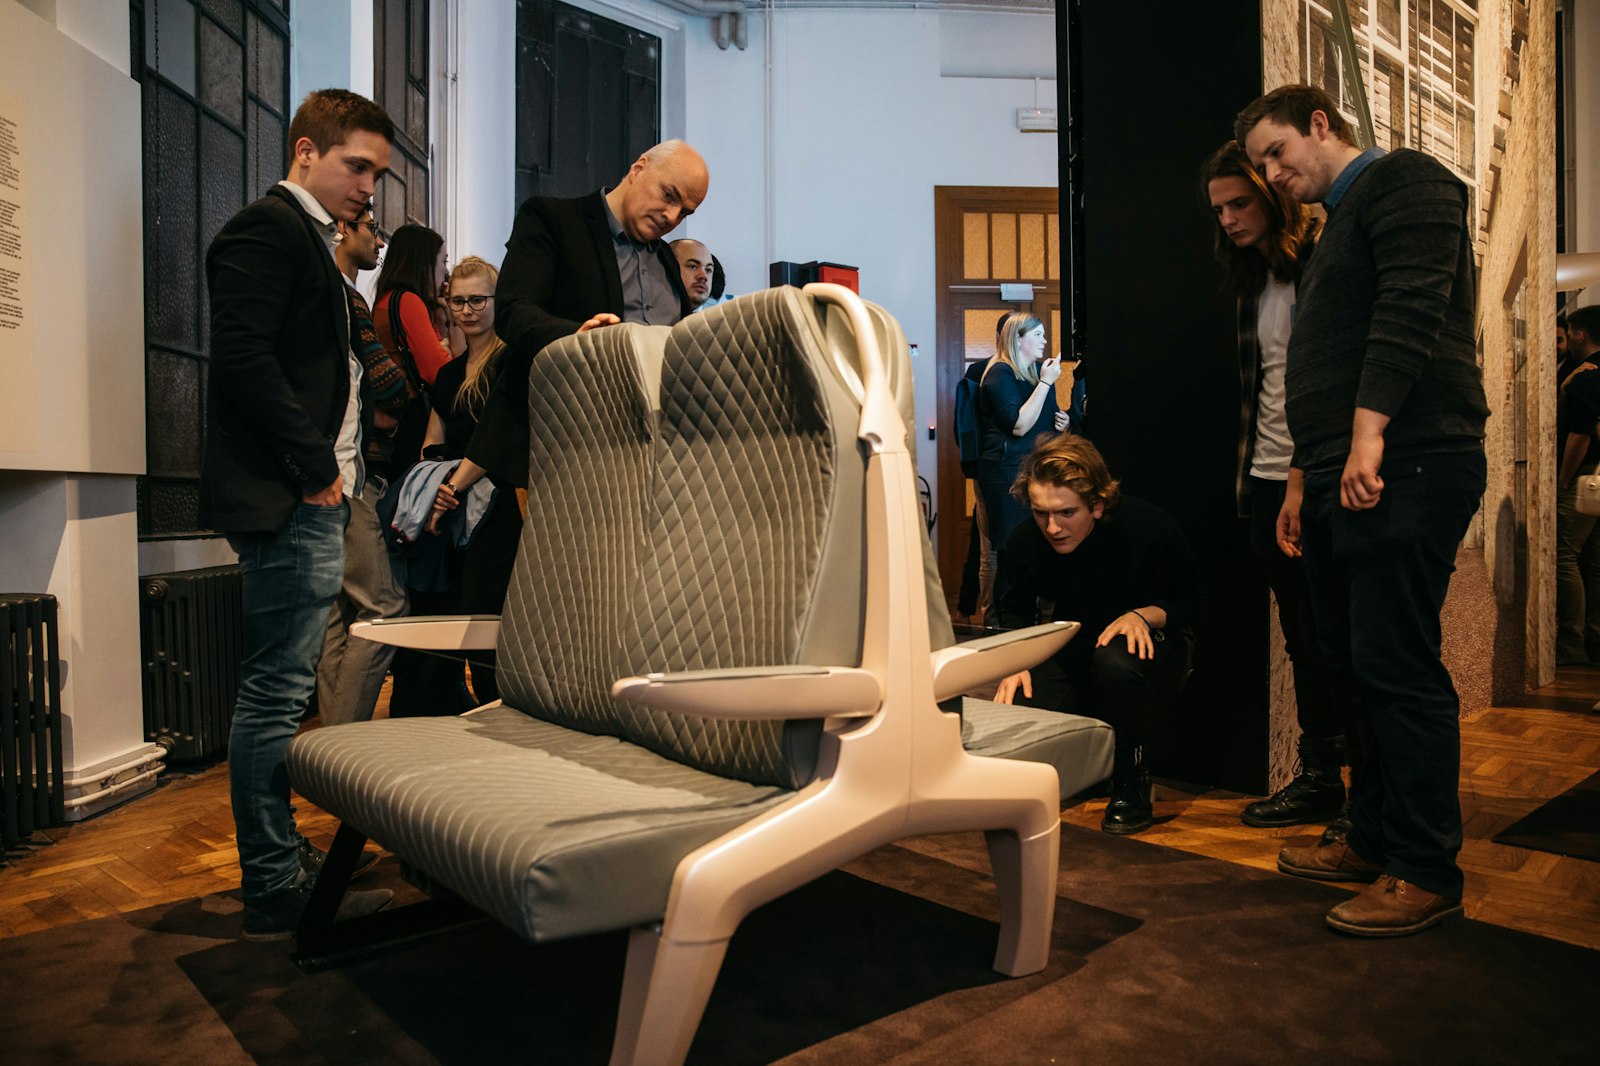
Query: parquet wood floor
[[177, 843]]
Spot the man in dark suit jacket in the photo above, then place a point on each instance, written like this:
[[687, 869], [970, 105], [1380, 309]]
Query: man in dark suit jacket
[[282, 452], [578, 264]]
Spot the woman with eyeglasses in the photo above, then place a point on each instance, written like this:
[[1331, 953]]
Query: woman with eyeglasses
[[459, 393]]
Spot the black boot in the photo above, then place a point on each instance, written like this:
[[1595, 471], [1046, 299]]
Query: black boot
[[1315, 795], [1132, 806]]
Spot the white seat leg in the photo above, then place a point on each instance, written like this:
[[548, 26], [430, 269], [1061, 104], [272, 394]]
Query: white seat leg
[[1025, 879], [665, 988]]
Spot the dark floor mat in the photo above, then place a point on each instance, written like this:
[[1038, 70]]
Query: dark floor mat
[[1157, 956]]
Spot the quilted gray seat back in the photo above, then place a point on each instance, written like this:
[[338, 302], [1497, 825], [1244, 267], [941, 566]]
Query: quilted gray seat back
[[591, 410], [727, 531]]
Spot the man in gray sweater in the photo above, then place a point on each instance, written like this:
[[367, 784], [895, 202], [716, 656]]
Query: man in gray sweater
[[1386, 407]]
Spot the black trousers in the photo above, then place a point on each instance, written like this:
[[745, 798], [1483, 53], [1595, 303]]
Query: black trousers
[[1321, 703], [1119, 688], [1005, 513], [485, 576], [1378, 580], [434, 683]]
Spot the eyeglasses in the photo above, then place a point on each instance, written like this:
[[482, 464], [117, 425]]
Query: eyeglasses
[[475, 302]]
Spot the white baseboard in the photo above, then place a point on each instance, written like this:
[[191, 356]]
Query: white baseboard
[[92, 789]]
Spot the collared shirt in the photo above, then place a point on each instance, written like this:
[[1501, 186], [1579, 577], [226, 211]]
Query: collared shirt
[[318, 213], [347, 446], [1348, 175], [647, 292]]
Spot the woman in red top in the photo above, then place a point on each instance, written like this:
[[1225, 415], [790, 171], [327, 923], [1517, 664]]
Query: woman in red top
[[413, 273]]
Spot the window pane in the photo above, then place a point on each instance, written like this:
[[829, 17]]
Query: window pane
[[1030, 246], [172, 411], [266, 64], [1003, 245], [221, 177], [268, 153], [221, 72], [979, 341], [228, 12], [1053, 232], [172, 275], [169, 41], [975, 244]]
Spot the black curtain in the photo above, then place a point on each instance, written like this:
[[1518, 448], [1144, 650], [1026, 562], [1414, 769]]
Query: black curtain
[[1149, 95]]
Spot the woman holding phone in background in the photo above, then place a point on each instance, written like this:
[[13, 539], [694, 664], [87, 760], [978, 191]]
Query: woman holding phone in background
[[1016, 406]]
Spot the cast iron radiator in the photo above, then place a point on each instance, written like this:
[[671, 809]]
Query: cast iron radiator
[[32, 782], [191, 632]]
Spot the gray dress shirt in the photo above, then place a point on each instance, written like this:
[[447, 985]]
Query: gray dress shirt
[[647, 292]]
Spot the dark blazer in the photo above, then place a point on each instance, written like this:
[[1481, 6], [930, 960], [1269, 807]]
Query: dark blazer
[[560, 270], [280, 374]]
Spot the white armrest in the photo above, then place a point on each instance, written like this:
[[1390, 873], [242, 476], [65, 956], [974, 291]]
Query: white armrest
[[978, 662], [757, 692], [437, 632]]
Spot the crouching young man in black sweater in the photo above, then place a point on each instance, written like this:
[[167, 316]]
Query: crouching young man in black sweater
[[1121, 568]]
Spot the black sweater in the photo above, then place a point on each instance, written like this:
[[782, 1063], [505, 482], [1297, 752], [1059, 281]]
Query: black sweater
[[1135, 558], [1385, 319]]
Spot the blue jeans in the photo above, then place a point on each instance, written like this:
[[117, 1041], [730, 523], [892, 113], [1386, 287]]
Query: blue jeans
[[1377, 580], [290, 581]]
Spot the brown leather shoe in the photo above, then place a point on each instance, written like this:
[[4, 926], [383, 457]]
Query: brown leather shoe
[[1336, 861], [1392, 907]]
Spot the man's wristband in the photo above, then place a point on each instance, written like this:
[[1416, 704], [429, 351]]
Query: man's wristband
[[1148, 627]]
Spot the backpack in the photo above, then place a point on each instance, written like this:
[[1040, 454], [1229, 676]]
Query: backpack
[[969, 434]]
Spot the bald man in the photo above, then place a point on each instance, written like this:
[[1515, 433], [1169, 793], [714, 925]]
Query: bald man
[[574, 264], [696, 267]]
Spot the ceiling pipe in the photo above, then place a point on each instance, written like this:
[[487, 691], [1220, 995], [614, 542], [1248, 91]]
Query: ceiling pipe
[[722, 28]]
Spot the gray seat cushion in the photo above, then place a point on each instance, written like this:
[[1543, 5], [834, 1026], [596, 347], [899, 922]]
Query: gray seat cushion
[[554, 832], [1079, 748]]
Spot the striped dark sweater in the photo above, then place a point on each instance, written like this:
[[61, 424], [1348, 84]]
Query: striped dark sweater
[[1385, 319]]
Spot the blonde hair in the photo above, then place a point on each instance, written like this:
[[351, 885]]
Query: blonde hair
[[475, 389], [1069, 461], [1010, 337]]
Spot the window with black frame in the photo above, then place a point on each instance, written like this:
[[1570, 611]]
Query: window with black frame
[[215, 78], [400, 87], [588, 98]]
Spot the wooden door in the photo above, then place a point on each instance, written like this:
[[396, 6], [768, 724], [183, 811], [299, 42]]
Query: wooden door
[[985, 237]]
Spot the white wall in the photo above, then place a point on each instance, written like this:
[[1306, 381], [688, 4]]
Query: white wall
[[480, 126], [862, 128], [838, 162], [69, 533]]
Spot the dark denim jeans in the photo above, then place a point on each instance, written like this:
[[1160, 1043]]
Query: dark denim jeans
[[1378, 580], [1319, 705], [290, 581]]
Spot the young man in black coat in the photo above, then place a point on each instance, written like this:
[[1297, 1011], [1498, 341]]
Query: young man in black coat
[[1386, 408], [282, 453]]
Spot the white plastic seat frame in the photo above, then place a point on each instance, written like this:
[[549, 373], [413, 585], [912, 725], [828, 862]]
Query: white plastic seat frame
[[891, 764]]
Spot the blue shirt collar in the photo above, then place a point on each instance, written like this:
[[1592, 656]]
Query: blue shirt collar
[[1348, 175]]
